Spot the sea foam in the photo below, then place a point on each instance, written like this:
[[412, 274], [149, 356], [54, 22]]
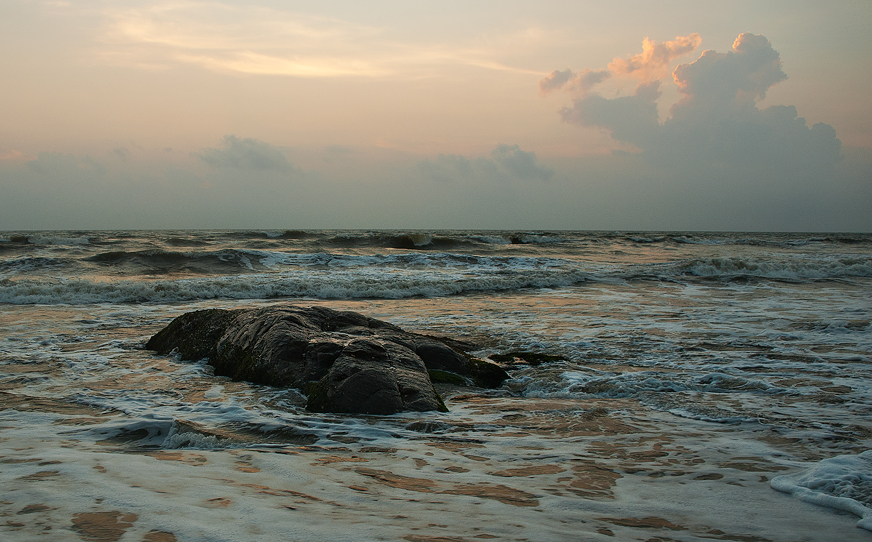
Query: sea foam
[[842, 482]]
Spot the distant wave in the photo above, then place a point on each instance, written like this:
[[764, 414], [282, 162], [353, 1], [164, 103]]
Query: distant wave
[[252, 274], [24, 265], [208, 262], [163, 261], [333, 282], [272, 234], [427, 239], [45, 239], [775, 240], [186, 242], [167, 266], [797, 269], [410, 240]]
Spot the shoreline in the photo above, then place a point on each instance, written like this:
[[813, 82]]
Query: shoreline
[[495, 467]]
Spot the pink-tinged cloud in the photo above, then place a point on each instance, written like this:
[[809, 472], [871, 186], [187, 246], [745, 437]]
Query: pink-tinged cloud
[[649, 65], [577, 83], [554, 81], [655, 57], [737, 78], [717, 110], [718, 145], [12, 156]]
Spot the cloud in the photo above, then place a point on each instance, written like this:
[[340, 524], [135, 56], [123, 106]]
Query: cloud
[[452, 167], [11, 156], [557, 79], [234, 39], [520, 164], [650, 64], [507, 161], [716, 119], [246, 153], [122, 153], [718, 154], [157, 189], [655, 57], [719, 82], [261, 40], [629, 119], [579, 83]]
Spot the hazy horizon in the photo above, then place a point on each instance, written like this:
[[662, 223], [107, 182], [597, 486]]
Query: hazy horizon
[[739, 117]]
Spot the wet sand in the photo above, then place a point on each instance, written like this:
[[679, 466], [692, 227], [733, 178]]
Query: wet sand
[[495, 468]]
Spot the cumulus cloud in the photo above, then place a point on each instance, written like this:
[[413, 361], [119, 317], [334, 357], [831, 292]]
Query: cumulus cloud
[[507, 161], [717, 150], [629, 119], [246, 153], [721, 82], [716, 119], [650, 64], [655, 57]]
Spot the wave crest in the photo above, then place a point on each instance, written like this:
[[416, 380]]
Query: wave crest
[[795, 269]]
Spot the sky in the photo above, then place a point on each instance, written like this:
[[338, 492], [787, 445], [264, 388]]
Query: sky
[[620, 115]]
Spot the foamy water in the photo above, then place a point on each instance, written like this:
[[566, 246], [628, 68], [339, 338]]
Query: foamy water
[[704, 386]]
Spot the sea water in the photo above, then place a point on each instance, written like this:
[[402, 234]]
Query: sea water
[[701, 386]]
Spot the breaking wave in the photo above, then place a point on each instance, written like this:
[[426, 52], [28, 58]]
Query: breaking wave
[[330, 283], [126, 267], [795, 269], [163, 261]]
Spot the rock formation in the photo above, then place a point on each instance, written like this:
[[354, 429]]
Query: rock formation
[[343, 361]]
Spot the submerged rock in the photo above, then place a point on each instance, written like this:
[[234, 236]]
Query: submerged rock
[[344, 361]]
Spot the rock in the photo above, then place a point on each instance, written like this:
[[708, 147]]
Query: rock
[[533, 359], [343, 361]]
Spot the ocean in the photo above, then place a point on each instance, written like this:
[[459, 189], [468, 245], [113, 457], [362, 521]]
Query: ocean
[[664, 386]]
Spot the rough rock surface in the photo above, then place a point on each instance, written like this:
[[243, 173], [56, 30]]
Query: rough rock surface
[[343, 361]]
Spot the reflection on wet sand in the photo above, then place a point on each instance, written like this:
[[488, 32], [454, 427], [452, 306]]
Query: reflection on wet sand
[[563, 471]]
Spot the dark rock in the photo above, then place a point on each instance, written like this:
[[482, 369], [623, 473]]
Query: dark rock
[[343, 361], [487, 375], [531, 358], [445, 377]]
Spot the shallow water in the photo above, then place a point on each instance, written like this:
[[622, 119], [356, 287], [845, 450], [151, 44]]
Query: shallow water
[[693, 371]]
